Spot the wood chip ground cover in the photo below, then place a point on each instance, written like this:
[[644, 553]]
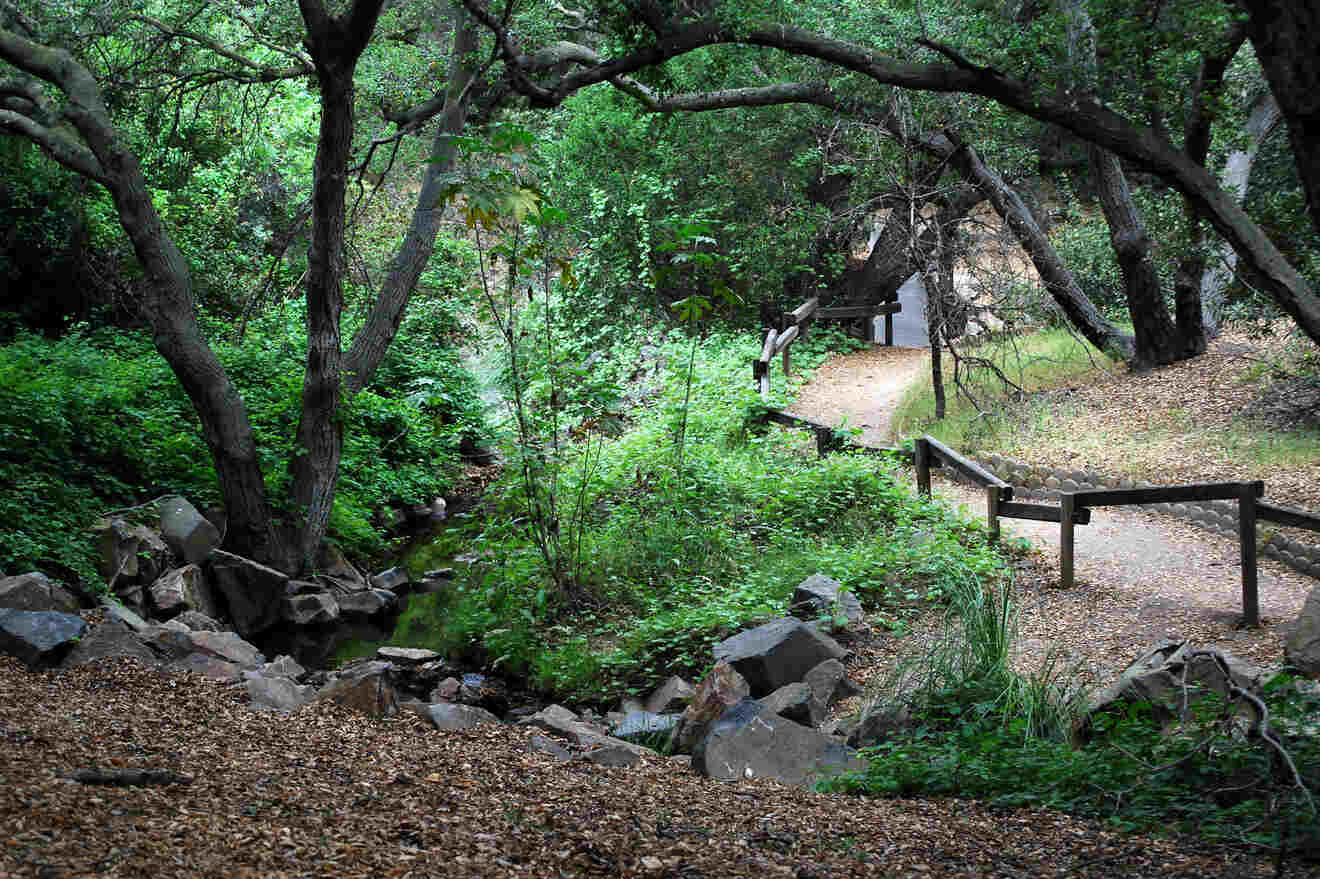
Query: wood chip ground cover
[[326, 792]]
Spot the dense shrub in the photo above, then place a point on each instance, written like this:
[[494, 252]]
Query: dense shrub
[[96, 421]]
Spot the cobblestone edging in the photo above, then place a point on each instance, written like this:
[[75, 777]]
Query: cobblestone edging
[[1042, 482]]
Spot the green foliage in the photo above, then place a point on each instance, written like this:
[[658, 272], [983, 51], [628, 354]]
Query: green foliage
[[1220, 787], [674, 560], [97, 421]]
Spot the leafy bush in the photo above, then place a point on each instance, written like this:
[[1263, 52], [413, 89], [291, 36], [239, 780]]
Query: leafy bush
[[96, 421], [676, 559]]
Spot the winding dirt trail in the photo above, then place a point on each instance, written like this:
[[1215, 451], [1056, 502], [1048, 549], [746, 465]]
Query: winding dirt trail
[[1142, 577]]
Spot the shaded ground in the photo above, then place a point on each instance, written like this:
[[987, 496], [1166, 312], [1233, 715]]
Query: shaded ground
[[325, 792]]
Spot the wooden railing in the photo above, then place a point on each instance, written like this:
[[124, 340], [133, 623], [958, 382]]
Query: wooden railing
[[929, 453], [794, 327], [1075, 506]]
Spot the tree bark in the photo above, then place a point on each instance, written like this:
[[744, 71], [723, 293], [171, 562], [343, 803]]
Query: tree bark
[[335, 44], [1286, 37], [374, 338]]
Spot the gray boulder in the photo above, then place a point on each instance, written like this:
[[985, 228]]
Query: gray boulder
[[393, 579], [310, 609], [407, 656], [777, 653], [447, 715], [116, 611], [112, 639], [820, 596], [1302, 647], [283, 667], [39, 637], [829, 682], [560, 721], [198, 621], [182, 589], [880, 724], [280, 694], [253, 592], [644, 727], [719, 691], [1170, 678], [36, 591], [672, 695], [190, 534], [226, 646], [208, 667], [791, 701], [365, 687], [367, 603], [750, 741]]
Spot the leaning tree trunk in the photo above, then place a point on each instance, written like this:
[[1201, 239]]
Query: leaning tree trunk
[[1286, 37], [1218, 271], [1058, 280], [168, 301], [1158, 341], [374, 338]]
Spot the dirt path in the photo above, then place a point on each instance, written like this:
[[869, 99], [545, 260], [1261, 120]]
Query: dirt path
[[1142, 577]]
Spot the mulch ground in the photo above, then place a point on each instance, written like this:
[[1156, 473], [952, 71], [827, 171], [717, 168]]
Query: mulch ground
[[326, 792]]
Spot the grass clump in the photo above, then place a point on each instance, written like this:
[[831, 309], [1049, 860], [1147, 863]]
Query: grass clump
[[986, 410]]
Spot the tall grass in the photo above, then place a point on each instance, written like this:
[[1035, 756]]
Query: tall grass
[[969, 666], [985, 410]]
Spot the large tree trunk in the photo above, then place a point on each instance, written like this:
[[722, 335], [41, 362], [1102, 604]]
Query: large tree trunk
[[1286, 37], [1216, 273], [1157, 339], [374, 338], [335, 44], [168, 295]]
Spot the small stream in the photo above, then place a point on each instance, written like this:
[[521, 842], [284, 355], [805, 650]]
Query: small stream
[[419, 621]]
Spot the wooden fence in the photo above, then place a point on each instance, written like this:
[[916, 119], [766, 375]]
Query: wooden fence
[[794, 327], [1075, 506]]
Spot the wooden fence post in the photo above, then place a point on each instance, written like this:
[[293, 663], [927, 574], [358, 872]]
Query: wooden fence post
[[1247, 542], [992, 511], [787, 365], [1067, 506], [921, 459], [889, 329]]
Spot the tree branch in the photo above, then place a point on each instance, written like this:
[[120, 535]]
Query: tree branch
[[73, 156]]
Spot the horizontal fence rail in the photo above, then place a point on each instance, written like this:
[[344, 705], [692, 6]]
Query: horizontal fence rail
[[795, 328], [1074, 507]]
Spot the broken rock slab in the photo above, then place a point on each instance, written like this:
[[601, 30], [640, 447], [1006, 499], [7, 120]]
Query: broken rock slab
[[672, 695], [777, 653], [449, 715], [36, 592], [253, 592], [718, 691], [560, 721], [191, 535], [113, 639], [750, 741], [277, 693], [39, 638], [821, 596], [1302, 647]]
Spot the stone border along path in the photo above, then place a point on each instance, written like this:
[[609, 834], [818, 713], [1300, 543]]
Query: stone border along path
[[1143, 576]]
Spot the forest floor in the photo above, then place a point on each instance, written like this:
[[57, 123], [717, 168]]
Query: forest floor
[[327, 792]]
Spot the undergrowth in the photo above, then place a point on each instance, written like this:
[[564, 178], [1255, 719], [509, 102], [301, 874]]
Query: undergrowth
[[676, 559]]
